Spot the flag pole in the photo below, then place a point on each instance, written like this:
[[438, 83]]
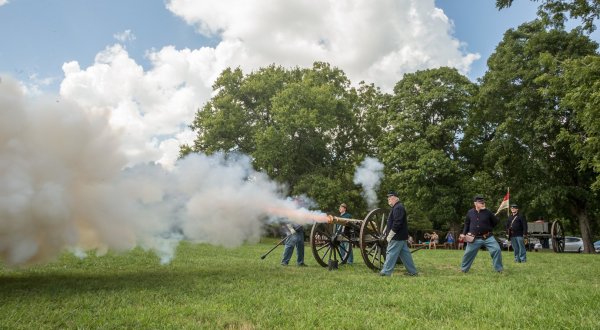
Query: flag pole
[[508, 208]]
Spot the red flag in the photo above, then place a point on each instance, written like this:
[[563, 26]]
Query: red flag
[[505, 202]]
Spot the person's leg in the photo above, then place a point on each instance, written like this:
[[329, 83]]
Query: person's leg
[[289, 249], [470, 254], [346, 249], [300, 247], [515, 247], [391, 257], [407, 259], [495, 251], [522, 256]]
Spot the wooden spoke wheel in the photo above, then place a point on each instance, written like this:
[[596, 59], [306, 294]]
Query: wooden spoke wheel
[[372, 241], [558, 238], [326, 246]]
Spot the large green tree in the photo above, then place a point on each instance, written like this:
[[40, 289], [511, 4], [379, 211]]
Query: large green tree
[[424, 126], [527, 132], [306, 128]]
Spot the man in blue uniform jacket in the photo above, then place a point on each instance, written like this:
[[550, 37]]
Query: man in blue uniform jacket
[[516, 227], [397, 236], [479, 224]]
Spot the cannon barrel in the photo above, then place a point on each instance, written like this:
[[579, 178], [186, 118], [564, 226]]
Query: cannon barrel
[[342, 221]]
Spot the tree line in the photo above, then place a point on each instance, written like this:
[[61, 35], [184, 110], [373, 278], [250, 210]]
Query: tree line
[[531, 123]]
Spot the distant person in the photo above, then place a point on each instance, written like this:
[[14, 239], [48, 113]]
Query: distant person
[[397, 235], [345, 246], [461, 242], [410, 241], [295, 240], [427, 238], [516, 227], [434, 239], [450, 239], [479, 224]]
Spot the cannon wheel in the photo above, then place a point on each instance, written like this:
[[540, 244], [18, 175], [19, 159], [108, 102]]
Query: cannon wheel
[[558, 239], [372, 242], [326, 246]]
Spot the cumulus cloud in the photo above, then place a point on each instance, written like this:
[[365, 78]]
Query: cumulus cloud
[[375, 41], [151, 108], [372, 41], [3, 2]]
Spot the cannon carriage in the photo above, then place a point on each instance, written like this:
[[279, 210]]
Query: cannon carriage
[[333, 241], [546, 233]]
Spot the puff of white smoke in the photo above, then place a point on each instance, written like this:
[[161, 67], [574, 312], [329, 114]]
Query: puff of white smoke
[[369, 175], [64, 186], [56, 167]]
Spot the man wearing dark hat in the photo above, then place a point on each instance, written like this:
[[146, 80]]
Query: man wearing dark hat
[[397, 235], [345, 246], [516, 227], [479, 224]]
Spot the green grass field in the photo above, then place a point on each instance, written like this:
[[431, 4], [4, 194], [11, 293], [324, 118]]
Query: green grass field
[[211, 287]]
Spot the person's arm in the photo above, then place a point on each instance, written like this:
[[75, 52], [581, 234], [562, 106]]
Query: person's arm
[[398, 219], [467, 225], [494, 220]]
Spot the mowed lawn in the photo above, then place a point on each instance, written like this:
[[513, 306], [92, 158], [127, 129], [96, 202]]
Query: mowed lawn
[[212, 287]]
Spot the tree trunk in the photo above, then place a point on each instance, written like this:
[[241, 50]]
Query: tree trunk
[[584, 227]]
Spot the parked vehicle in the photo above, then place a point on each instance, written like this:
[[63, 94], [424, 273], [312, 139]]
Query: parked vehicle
[[572, 244], [597, 246]]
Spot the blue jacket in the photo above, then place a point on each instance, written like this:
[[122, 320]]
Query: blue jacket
[[479, 223], [397, 222], [518, 227]]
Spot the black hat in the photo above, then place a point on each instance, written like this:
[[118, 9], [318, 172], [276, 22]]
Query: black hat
[[478, 198], [514, 206], [392, 193]]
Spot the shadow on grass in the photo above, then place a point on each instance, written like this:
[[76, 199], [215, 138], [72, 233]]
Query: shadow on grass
[[66, 284]]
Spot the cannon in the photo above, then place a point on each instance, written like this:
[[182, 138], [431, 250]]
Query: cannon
[[368, 234]]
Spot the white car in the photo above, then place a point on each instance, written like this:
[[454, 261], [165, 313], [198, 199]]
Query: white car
[[572, 244]]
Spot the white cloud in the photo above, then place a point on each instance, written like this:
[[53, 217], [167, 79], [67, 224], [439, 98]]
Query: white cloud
[[3, 2], [150, 108], [124, 36], [374, 41]]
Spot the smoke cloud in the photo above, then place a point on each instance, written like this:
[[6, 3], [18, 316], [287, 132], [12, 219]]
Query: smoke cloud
[[64, 184], [369, 175]]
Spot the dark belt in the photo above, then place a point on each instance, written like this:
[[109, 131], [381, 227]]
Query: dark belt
[[483, 236]]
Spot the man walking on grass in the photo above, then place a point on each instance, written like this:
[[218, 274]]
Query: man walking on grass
[[397, 236]]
